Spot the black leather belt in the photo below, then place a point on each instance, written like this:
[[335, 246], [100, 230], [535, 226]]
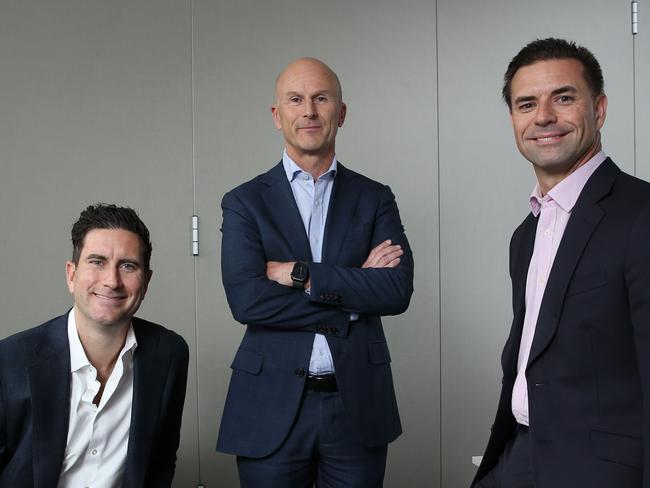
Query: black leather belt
[[321, 383]]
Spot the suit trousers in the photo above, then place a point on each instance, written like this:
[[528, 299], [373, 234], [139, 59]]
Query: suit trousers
[[514, 469], [320, 449]]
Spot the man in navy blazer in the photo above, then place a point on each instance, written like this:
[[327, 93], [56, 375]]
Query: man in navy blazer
[[313, 254], [95, 397], [574, 409]]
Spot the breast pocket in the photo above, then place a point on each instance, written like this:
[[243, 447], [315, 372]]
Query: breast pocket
[[584, 282], [358, 232]]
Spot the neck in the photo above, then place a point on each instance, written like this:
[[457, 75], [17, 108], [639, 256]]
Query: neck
[[102, 344], [547, 180], [314, 164]]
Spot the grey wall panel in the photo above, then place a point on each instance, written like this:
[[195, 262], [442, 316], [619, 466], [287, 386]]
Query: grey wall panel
[[485, 184], [642, 95], [95, 107], [385, 57]]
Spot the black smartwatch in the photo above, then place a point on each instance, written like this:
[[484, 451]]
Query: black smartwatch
[[300, 275]]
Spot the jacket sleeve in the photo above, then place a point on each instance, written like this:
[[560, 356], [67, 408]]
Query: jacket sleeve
[[3, 433], [374, 291], [253, 298], [162, 467]]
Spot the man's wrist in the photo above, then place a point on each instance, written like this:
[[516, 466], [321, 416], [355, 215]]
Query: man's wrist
[[300, 275]]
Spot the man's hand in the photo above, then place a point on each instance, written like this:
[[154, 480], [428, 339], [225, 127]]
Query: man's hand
[[385, 255]]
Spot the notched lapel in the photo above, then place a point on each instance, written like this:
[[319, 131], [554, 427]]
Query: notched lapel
[[522, 252], [342, 206], [49, 379], [279, 200], [149, 377]]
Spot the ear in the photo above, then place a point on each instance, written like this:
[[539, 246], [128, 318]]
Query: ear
[[275, 111], [70, 271], [147, 279], [344, 109], [601, 110]]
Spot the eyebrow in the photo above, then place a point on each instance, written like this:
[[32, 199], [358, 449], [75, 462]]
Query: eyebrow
[[557, 91], [121, 261]]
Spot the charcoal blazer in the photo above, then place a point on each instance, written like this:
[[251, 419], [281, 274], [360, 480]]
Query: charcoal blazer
[[589, 368], [35, 383], [261, 223]]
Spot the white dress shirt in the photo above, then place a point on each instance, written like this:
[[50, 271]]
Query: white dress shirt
[[98, 435]]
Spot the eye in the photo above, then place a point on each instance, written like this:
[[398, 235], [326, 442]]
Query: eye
[[320, 99], [526, 107], [294, 99], [565, 99], [95, 262], [129, 266]]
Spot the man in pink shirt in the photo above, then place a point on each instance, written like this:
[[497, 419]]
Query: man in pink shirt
[[574, 409]]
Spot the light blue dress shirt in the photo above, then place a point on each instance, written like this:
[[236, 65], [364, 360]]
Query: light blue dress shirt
[[313, 200]]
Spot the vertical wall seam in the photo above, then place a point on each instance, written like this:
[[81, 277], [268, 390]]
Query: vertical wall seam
[[437, 81], [634, 118], [195, 258]]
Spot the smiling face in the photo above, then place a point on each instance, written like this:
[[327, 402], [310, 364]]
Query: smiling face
[[556, 118], [308, 109], [109, 282]]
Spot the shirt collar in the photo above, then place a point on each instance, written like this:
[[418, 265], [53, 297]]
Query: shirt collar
[[78, 358], [567, 191], [292, 169]]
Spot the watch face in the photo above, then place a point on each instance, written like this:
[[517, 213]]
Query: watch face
[[300, 272]]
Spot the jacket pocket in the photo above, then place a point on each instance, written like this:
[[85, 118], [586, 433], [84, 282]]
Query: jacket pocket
[[247, 361], [618, 448], [378, 352], [583, 282]]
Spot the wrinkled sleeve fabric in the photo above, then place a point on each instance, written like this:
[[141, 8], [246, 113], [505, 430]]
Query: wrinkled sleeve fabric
[[373, 291], [253, 298]]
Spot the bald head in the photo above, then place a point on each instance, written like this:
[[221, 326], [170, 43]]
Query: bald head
[[302, 67], [308, 109]]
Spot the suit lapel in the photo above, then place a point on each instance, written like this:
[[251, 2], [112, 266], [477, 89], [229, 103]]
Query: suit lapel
[[521, 253], [285, 215], [49, 379], [343, 203], [149, 376], [584, 219]]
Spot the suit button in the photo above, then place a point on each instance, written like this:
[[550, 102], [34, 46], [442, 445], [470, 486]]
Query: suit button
[[335, 330], [300, 372]]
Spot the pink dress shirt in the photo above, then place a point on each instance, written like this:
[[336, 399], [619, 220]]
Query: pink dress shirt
[[553, 211]]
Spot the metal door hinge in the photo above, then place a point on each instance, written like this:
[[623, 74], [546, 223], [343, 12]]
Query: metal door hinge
[[195, 235], [635, 18]]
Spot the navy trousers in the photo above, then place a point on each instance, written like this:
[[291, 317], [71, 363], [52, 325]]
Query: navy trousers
[[514, 469], [320, 450]]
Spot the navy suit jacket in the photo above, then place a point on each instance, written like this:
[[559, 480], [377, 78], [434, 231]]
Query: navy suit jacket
[[589, 368], [35, 382], [261, 223]]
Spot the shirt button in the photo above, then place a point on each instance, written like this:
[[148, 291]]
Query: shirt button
[[548, 232], [93, 452]]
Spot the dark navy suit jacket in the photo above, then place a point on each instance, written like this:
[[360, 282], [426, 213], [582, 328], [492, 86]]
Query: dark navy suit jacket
[[261, 223], [35, 404], [589, 367]]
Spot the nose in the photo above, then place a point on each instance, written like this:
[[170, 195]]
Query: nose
[[545, 114], [310, 108], [111, 277]]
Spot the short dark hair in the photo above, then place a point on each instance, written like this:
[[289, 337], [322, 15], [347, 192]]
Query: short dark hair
[[553, 48], [109, 216]]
